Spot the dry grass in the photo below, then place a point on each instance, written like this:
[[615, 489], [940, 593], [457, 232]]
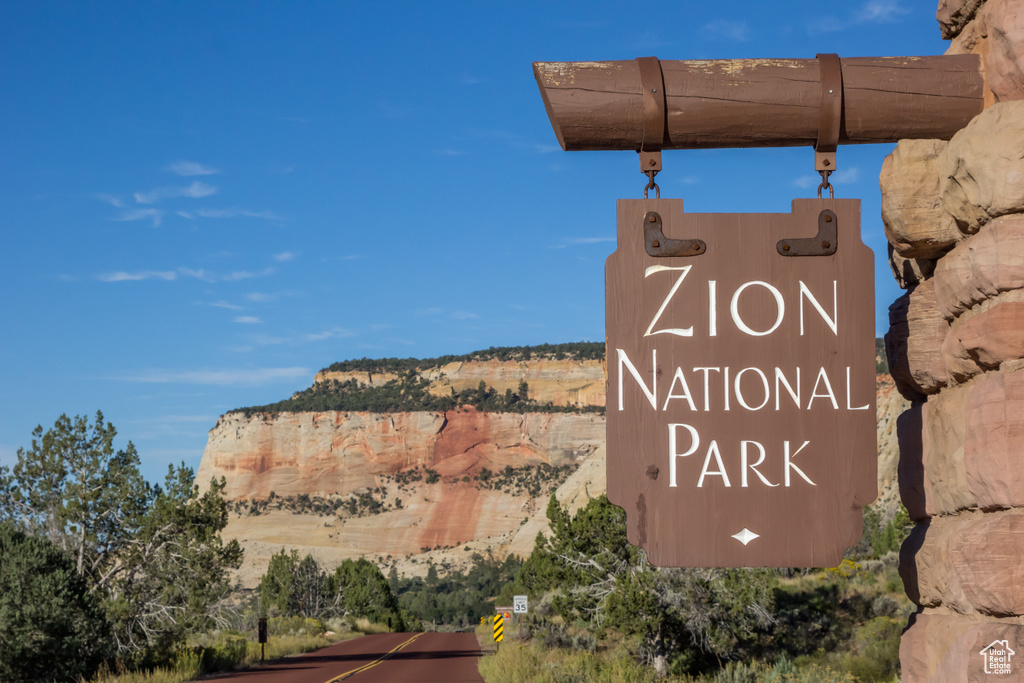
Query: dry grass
[[187, 665]]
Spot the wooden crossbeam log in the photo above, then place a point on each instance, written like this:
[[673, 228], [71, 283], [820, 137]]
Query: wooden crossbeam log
[[760, 102]]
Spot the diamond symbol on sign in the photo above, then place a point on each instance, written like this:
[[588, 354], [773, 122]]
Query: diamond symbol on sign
[[746, 536]]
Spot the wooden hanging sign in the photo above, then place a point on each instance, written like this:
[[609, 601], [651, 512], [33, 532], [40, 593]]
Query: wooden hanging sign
[[741, 396]]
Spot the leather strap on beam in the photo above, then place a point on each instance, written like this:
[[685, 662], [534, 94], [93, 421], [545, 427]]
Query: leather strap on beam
[[652, 85], [830, 120]]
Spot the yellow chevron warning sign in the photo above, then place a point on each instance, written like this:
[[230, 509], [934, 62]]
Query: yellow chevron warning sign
[[499, 627]]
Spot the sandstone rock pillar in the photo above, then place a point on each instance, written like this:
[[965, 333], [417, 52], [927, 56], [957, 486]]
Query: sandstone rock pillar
[[954, 216]]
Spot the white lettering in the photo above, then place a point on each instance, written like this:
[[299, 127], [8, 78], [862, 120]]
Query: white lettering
[[650, 393], [672, 450], [833, 321], [791, 466], [863, 407], [725, 386], [707, 388], [712, 308], [753, 468], [686, 391], [680, 332], [705, 472], [764, 382], [829, 394], [780, 307], [781, 379]]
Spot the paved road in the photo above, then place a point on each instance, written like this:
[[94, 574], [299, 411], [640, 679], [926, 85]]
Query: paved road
[[391, 657]]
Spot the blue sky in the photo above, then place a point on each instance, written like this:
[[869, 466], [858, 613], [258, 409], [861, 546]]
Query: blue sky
[[202, 204]]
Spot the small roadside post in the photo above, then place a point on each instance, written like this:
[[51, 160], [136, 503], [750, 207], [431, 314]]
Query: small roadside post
[[262, 637], [499, 628]]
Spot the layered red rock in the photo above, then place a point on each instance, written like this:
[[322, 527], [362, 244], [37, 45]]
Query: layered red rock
[[916, 223], [981, 267], [960, 472], [946, 649], [983, 167], [909, 271], [933, 476], [961, 450], [953, 15], [342, 452], [994, 440], [444, 522], [913, 343], [985, 341], [970, 566]]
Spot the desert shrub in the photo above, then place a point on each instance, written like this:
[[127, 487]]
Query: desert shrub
[[51, 626]]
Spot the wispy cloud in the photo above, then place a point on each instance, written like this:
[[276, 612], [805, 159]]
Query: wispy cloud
[[182, 272], [580, 241], [847, 175], [225, 304], [464, 315], [332, 333], [111, 199], [122, 276], [234, 276], [156, 215], [233, 213], [295, 339], [239, 377], [285, 256], [737, 31], [513, 140], [195, 191], [191, 168], [469, 79], [248, 320], [881, 11]]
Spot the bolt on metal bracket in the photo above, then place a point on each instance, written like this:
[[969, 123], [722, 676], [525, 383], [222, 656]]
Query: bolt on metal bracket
[[822, 244], [660, 246]]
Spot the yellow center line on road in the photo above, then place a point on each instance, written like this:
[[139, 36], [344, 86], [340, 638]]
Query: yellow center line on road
[[374, 663]]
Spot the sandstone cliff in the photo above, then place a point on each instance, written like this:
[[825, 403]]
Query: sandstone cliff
[[410, 488]]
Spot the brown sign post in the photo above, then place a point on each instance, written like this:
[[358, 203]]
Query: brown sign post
[[741, 400]]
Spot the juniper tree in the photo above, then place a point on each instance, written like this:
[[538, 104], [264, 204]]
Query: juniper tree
[[152, 556]]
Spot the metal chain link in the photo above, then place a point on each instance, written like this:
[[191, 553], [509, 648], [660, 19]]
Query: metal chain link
[[650, 183], [824, 184]]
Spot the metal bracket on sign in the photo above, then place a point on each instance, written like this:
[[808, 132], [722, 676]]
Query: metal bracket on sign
[[660, 246], [822, 244]]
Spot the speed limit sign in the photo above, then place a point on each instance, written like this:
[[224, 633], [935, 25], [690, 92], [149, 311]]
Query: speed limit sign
[[519, 604]]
